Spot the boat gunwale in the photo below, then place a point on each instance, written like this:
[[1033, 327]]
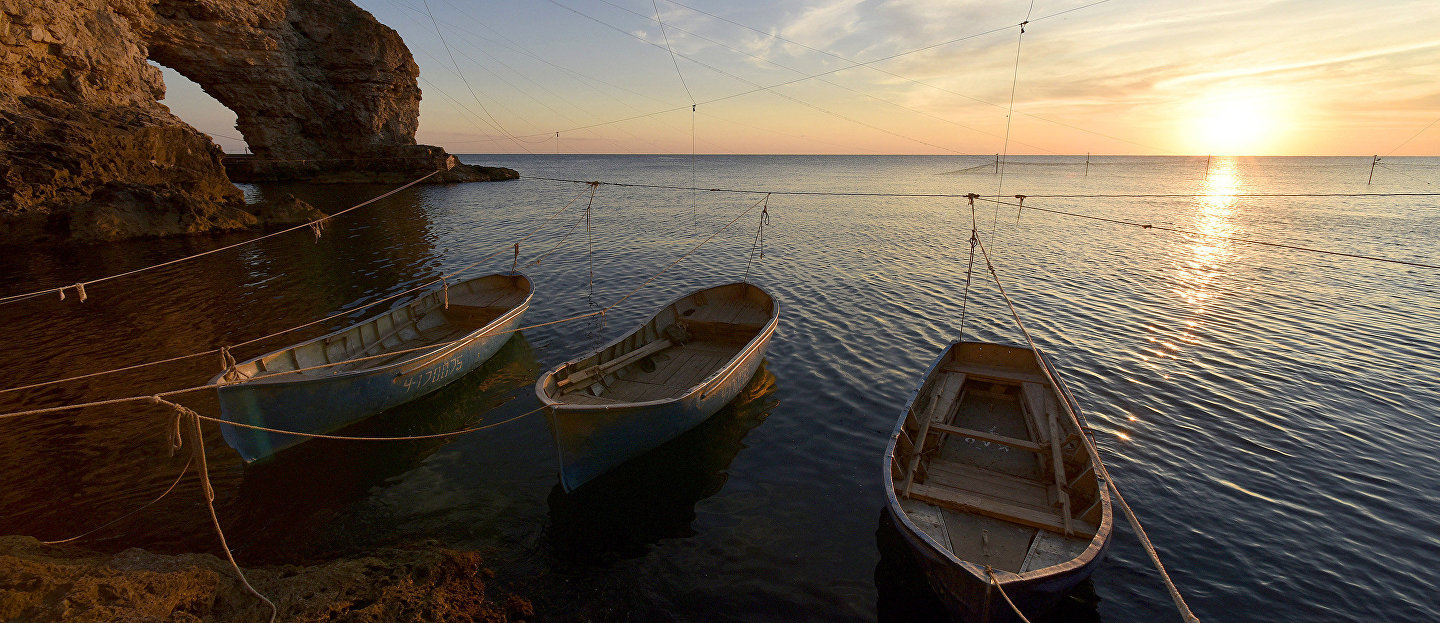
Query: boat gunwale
[[1092, 550], [729, 368], [300, 378]]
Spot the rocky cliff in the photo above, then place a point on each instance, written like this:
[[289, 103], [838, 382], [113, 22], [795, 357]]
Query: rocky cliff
[[318, 86]]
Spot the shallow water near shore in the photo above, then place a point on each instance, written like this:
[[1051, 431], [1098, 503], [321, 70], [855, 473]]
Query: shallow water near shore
[[1270, 414]]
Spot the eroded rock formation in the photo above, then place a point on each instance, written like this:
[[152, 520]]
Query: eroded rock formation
[[319, 88]]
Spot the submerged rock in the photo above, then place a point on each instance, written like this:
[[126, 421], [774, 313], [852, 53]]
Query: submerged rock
[[424, 583], [287, 209]]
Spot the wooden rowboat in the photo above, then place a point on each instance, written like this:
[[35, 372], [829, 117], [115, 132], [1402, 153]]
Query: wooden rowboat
[[988, 471], [665, 377], [320, 398]]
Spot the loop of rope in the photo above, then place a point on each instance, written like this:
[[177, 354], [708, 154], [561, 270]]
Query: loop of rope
[[198, 450], [759, 242]]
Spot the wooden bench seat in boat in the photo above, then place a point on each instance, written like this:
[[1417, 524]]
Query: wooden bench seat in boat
[[981, 504]]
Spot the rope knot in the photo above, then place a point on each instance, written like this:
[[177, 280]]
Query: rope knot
[[445, 291], [79, 290], [227, 363]]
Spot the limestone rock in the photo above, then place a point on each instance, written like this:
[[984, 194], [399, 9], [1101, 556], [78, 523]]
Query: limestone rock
[[287, 209], [319, 88], [422, 583]]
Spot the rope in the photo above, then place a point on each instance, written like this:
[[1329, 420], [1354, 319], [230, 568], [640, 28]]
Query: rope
[[673, 60], [970, 266], [589, 237], [1010, 112], [116, 520], [759, 238], [818, 193], [198, 452], [1191, 232], [80, 287], [1413, 137], [1094, 452], [852, 65], [996, 581], [455, 433], [437, 346], [345, 312], [687, 254], [1076, 214]]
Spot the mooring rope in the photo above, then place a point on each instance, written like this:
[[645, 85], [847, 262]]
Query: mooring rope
[[1191, 232], [996, 582], [1093, 451], [198, 452], [437, 346], [759, 242], [424, 285], [116, 520], [80, 287]]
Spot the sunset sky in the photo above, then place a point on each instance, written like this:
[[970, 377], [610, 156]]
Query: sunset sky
[[1245, 77]]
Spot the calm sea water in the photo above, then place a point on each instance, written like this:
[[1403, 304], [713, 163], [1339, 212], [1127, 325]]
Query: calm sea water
[[1270, 414]]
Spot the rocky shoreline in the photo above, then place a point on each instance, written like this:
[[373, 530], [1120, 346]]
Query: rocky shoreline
[[424, 582]]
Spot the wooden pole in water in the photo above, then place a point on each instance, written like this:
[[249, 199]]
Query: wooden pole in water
[[1372, 169], [997, 164], [1207, 165], [1087, 164]]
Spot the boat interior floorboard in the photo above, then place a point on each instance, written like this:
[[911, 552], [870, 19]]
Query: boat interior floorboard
[[996, 415], [991, 503], [666, 374]]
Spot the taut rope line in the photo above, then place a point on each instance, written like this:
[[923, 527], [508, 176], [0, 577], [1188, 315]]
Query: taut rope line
[[345, 312], [81, 286], [1094, 452], [1191, 232], [116, 520], [441, 345], [1074, 214]]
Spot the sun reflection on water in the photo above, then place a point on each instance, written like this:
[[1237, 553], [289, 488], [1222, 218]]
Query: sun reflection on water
[[1201, 261]]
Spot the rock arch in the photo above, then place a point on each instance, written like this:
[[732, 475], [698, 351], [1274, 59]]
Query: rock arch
[[88, 152]]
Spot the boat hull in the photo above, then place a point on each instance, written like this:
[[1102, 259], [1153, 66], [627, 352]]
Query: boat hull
[[963, 587], [619, 405], [964, 594], [324, 405], [595, 439]]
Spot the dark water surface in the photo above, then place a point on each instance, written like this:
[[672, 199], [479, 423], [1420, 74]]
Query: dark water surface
[[1271, 415]]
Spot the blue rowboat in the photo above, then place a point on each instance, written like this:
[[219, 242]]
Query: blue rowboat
[[324, 384], [988, 470], [664, 378]]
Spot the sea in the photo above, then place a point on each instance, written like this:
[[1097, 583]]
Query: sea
[[1263, 387]]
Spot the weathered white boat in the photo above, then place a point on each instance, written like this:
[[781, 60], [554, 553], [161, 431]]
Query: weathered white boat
[[674, 371], [987, 472], [268, 391]]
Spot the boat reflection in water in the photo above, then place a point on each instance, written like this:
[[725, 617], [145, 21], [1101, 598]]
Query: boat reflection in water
[[283, 503], [652, 497]]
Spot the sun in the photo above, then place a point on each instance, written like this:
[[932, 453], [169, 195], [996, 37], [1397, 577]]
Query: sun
[[1234, 124]]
